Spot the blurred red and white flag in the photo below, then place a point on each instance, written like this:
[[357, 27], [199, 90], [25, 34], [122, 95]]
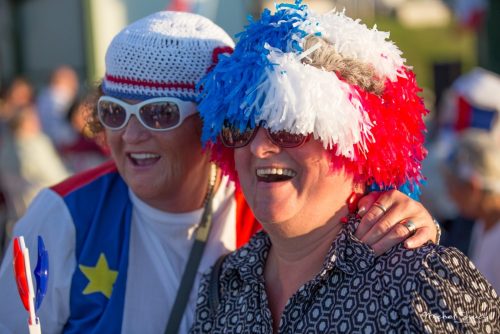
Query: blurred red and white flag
[[207, 8], [470, 13], [181, 5]]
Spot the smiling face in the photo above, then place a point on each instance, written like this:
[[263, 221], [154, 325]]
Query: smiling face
[[291, 186], [166, 169]]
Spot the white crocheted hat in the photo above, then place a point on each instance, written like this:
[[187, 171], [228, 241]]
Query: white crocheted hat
[[163, 54]]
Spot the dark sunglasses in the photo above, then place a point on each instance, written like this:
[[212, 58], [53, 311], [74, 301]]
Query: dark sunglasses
[[158, 114], [232, 137]]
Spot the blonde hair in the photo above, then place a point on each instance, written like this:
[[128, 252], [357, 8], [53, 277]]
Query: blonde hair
[[351, 70]]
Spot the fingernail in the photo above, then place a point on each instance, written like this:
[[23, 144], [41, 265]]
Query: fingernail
[[361, 210]]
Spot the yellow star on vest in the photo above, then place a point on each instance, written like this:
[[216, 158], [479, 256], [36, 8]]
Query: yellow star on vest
[[101, 278]]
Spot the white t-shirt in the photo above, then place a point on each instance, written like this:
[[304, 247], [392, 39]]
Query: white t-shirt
[[159, 248]]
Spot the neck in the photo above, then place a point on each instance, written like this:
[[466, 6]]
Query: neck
[[189, 196], [287, 254], [292, 250]]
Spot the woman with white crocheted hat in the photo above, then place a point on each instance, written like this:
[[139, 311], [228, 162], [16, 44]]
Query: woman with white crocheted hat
[[119, 237], [309, 112]]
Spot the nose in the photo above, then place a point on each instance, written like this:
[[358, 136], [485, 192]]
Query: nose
[[134, 132], [261, 146]]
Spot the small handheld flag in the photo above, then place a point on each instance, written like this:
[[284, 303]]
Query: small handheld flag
[[24, 281]]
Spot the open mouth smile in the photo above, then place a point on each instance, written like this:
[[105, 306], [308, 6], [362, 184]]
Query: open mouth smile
[[275, 174], [143, 159]]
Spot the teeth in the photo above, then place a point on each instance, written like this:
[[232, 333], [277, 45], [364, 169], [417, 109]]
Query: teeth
[[139, 156], [275, 171]]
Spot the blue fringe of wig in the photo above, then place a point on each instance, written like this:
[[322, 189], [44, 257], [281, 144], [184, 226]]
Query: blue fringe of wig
[[236, 79]]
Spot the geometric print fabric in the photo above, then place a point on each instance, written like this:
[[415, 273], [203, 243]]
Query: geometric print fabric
[[431, 289]]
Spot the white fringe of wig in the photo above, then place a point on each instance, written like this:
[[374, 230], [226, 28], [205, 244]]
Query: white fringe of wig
[[353, 39], [301, 98]]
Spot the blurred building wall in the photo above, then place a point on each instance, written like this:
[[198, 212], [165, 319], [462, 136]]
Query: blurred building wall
[[355, 8], [36, 36], [7, 68], [39, 34], [52, 33], [103, 20], [107, 18]]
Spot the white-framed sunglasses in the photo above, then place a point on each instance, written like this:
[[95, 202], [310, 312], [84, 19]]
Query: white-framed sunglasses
[[157, 114]]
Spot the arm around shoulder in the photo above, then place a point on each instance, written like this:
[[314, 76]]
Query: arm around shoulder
[[451, 295]]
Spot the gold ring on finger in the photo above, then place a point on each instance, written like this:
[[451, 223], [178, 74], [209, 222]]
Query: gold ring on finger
[[380, 206]]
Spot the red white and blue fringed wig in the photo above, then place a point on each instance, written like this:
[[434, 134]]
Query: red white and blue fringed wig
[[377, 137]]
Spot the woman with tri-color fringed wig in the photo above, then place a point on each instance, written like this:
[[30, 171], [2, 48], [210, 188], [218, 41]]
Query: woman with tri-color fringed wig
[[308, 113]]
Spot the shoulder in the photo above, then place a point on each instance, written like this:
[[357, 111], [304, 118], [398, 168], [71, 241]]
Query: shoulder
[[444, 290], [430, 260], [94, 176], [46, 207], [447, 266], [400, 256], [255, 250], [246, 262], [438, 289], [49, 217], [228, 283]]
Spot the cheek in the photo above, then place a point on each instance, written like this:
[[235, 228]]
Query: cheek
[[188, 135], [316, 164], [112, 140], [241, 160]]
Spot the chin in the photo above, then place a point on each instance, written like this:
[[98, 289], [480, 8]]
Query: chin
[[272, 217], [142, 188]]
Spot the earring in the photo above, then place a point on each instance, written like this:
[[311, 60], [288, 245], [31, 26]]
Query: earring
[[352, 202]]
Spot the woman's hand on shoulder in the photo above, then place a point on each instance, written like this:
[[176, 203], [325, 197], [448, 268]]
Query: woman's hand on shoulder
[[391, 217]]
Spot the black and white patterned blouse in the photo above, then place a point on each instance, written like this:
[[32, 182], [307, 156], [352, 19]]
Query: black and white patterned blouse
[[432, 289]]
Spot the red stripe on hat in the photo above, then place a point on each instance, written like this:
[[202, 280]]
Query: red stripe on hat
[[151, 84], [215, 55], [464, 114]]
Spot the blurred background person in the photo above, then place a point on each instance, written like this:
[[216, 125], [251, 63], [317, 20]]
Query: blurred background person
[[85, 152], [54, 103], [473, 178], [28, 162], [472, 102], [18, 93]]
